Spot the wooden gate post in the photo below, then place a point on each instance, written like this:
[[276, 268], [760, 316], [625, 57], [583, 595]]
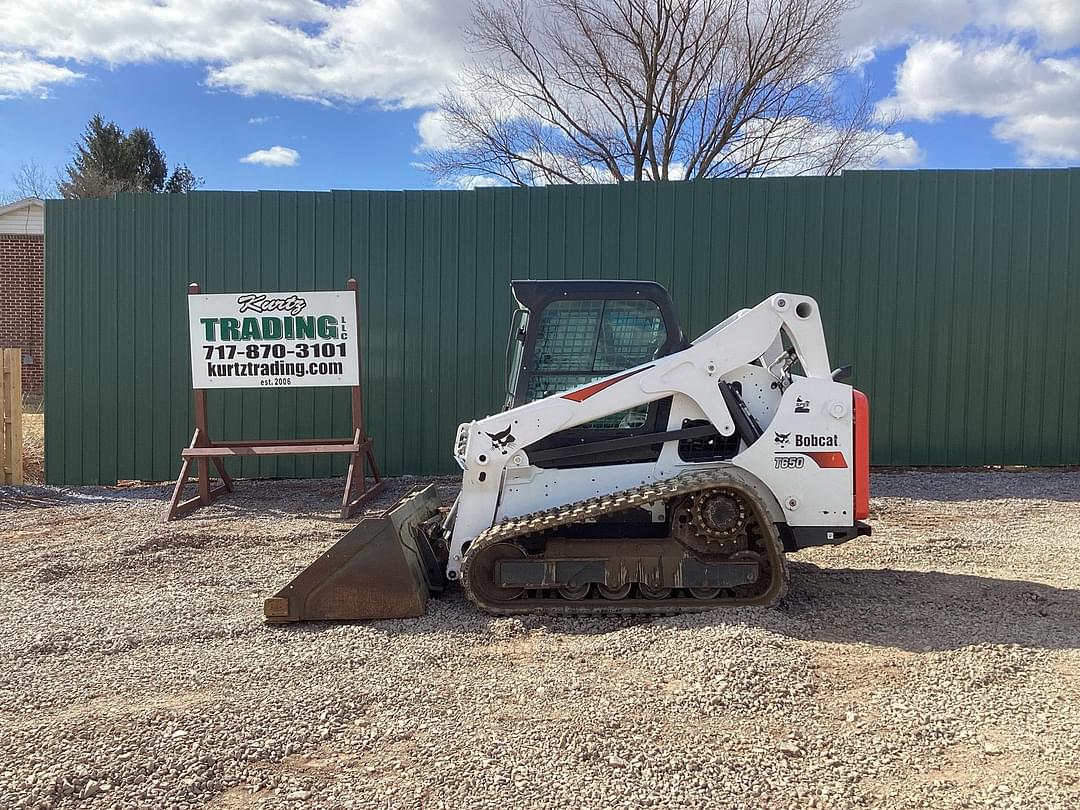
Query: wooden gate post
[[11, 431]]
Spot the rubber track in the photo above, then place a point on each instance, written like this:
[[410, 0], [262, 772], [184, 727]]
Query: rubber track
[[537, 522]]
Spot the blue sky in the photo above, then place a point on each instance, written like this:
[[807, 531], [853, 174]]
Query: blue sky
[[346, 86], [346, 145]]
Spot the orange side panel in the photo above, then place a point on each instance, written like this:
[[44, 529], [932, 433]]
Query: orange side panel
[[583, 394], [828, 459], [861, 404]]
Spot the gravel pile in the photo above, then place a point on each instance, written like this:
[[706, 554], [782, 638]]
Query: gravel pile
[[935, 664]]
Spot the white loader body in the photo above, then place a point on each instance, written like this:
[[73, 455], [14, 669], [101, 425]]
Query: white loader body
[[802, 464]]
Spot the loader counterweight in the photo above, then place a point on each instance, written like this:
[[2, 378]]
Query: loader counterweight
[[861, 404]]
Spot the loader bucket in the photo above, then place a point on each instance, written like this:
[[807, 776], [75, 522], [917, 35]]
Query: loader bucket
[[383, 568]]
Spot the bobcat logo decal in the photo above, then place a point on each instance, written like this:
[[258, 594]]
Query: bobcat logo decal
[[782, 438], [502, 439]]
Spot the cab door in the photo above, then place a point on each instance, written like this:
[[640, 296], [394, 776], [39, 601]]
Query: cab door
[[578, 332]]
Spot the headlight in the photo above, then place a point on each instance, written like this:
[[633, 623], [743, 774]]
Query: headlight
[[461, 444]]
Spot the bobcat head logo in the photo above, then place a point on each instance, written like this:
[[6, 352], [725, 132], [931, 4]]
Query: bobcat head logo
[[502, 439], [782, 438]]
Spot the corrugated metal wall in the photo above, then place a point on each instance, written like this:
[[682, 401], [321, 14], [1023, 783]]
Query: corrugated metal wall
[[950, 291]]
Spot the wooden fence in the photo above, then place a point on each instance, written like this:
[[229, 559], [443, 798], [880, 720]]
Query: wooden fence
[[11, 435]]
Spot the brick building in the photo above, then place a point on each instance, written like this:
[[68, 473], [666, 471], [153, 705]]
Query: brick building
[[22, 287]]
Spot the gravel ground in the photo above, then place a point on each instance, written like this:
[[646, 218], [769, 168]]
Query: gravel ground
[[935, 664]]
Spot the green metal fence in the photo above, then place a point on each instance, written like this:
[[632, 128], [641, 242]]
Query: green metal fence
[[950, 291]]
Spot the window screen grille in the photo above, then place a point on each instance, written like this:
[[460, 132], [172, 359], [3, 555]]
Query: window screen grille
[[580, 342]]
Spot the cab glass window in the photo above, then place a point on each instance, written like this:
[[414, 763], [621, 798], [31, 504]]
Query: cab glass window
[[579, 342]]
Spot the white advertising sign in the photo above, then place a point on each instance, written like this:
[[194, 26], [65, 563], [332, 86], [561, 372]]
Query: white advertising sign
[[270, 340]]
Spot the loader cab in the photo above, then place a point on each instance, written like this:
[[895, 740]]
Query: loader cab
[[566, 334]]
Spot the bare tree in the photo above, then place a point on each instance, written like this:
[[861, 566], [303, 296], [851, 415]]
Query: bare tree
[[577, 91], [31, 180]]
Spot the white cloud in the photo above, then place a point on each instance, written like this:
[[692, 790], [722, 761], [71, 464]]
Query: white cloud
[[1033, 100], [434, 131], [274, 156], [261, 119], [1043, 138], [886, 23], [979, 77], [899, 151], [1056, 23], [23, 75], [473, 181], [875, 24], [1011, 62], [402, 53], [799, 147], [397, 53]]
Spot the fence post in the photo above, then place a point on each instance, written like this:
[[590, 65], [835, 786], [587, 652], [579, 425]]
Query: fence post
[[11, 413]]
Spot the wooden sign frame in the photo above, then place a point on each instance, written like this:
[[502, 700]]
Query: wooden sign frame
[[203, 451]]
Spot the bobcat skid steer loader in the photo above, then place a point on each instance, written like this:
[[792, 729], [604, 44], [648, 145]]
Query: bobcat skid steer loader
[[632, 470]]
